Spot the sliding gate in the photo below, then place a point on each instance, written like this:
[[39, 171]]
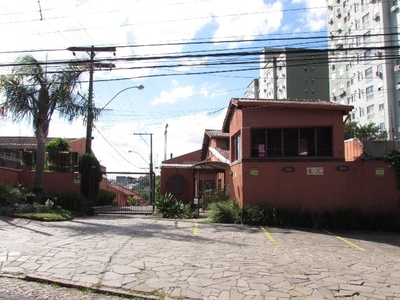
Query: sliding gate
[[134, 193]]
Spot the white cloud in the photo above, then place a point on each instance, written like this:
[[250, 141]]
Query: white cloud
[[314, 18], [174, 95]]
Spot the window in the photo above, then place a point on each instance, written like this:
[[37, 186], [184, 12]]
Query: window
[[356, 7], [360, 76], [369, 74], [368, 54], [237, 151], [292, 142], [367, 37], [358, 41], [369, 91], [381, 106], [360, 93], [362, 112], [370, 109], [358, 24], [365, 21]]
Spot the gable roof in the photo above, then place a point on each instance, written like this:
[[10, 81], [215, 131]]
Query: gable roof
[[239, 103], [211, 134]]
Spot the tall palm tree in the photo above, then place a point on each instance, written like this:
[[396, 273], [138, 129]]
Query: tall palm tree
[[33, 93]]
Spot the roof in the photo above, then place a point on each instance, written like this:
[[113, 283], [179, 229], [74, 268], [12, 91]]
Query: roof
[[23, 143], [211, 134], [239, 103]]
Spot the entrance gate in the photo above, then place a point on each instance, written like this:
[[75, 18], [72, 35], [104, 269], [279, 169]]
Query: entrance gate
[[134, 193]]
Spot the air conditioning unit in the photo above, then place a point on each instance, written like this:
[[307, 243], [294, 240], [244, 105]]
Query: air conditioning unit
[[398, 86], [394, 8], [339, 15], [376, 17], [342, 93], [379, 74], [331, 21], [337, 1], [397, 68], [339, 30], [378, 53], [330, 7], [373, 1]]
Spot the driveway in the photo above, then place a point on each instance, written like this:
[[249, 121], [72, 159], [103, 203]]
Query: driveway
[[189, 259]]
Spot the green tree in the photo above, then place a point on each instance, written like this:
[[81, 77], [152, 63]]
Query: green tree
[[33, 93], [55, 146], [370, 131]]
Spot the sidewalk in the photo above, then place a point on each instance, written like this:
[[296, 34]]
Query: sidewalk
[[187, 259]]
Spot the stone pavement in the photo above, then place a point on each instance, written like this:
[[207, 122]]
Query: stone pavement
[[188, 259]]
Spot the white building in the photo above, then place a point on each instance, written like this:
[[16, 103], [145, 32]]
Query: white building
[[293, 73], [364, 67]]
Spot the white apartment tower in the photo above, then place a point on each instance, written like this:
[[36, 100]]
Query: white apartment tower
[[364, 66], [293, 73]]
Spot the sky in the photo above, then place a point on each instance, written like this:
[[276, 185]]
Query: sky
[[191, 56]]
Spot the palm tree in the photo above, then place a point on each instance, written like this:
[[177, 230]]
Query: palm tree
[[32, 93]]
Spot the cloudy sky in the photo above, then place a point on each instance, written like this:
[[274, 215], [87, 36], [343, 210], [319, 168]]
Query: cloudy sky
[[192, 57]]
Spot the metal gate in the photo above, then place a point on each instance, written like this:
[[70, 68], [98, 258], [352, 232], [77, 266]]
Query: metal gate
[[125, 193]]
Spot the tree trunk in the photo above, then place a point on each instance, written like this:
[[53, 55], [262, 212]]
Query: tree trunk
[[39, 170]]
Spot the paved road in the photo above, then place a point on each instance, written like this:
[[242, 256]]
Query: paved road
[[188, 259]]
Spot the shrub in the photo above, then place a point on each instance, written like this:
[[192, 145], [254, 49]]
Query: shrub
[[169, 207], [227, 211], [105, 197], [91, 176], [10, 195], [211, 197], [72, 201]]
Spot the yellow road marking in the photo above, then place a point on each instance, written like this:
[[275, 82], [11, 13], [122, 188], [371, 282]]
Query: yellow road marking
[[268, 235], [346, 241], [195, 229]]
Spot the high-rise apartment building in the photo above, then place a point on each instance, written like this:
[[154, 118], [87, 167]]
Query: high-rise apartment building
[[293, 73], [364, 68]]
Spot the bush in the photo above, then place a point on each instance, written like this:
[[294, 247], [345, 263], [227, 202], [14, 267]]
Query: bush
[[211, 197], [169, 207], [91, 176], [10, 195], [105, 198], [227, 211], [72, 201]]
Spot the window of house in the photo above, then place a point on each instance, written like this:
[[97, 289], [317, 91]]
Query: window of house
[[362, 112], [237, 151], [357, 24], [381, 106], [360, 93], [360, 76], [292, 142], [370, 109], [356, 7], [358, 41]]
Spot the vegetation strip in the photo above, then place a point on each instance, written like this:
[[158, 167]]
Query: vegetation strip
[[346, 241], [268, 235], [195, 229]]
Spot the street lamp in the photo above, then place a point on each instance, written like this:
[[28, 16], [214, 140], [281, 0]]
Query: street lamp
[[132, 151], [91, 117]]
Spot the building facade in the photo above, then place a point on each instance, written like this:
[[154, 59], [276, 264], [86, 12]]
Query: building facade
[[364, 66], [293, 73]]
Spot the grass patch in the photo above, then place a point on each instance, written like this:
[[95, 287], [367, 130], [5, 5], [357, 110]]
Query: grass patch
[[51, 215]]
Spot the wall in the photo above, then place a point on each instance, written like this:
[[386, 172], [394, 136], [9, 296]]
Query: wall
[[52, 181], [360, 187], [185, 194]]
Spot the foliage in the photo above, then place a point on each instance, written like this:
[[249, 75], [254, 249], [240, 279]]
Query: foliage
[[393, 159], [10, 195], [343, 218], [105, 198], [91, 176], [169, 207], [72, 201], [31, 93], [132, 201], [210, 197], [57, 145], [227, 211], [366, 132], [50, 214]]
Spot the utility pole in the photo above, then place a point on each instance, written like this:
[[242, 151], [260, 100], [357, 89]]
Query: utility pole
[[152, 187], [165, 142], [89, 120]]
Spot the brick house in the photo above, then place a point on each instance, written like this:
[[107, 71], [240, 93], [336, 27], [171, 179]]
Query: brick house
[[288, 154]]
